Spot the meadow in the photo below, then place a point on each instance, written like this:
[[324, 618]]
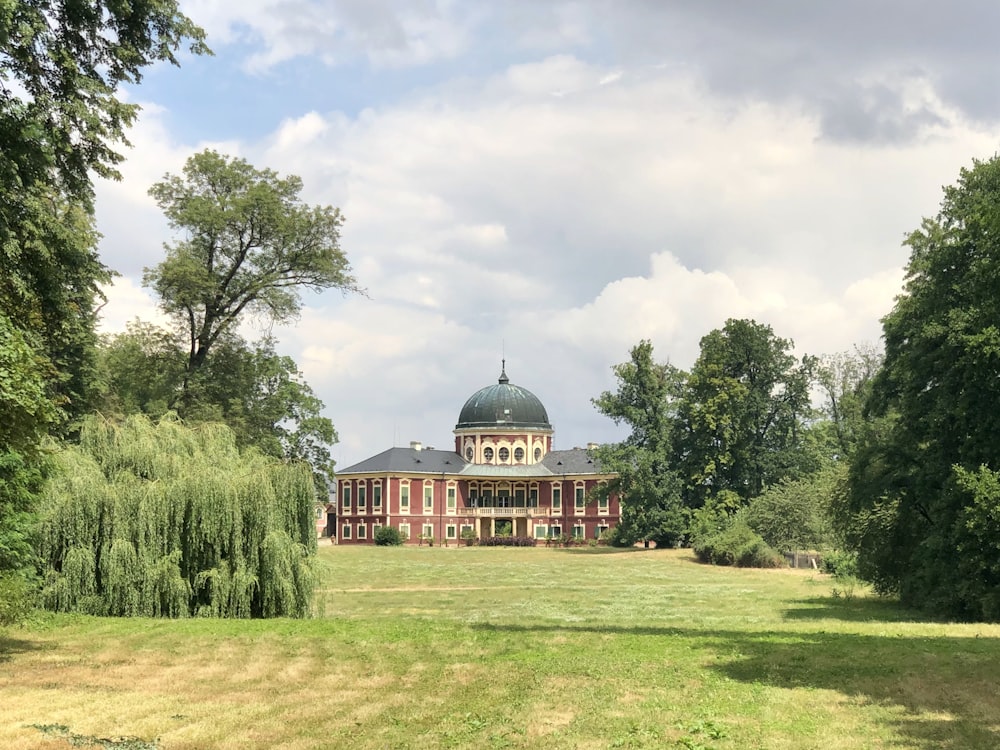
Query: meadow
[[514, 648]]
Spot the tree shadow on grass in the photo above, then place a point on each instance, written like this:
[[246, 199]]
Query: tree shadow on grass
[[859, 609], [944, 689], [11, 647]]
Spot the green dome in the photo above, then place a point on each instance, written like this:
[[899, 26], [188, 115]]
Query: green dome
[[505, 406]]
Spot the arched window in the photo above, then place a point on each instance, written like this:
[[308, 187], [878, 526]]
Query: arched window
[[519, 454], [504, 454], [468, 453], [488, 453]]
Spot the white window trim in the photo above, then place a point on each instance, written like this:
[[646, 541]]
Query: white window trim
[[428, 495], [404, 488]]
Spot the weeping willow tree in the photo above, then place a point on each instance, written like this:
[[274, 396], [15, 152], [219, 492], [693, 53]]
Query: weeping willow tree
[[165, 520]]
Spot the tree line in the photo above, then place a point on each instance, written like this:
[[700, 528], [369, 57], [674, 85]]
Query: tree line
[[897, 468]]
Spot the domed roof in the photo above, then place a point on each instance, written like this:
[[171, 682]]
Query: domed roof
[[505, 406]]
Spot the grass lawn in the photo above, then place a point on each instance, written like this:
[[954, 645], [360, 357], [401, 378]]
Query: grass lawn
[[522, 648]]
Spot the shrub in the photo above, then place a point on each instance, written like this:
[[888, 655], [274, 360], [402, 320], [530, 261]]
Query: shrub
[[507, 541], [17, 598], [841, 564], [613, 537], [738, 545], [388, 536]]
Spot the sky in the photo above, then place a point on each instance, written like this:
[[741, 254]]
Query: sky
[[551, 182]]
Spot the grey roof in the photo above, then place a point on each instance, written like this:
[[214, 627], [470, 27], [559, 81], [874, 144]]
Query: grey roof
[[505, 406], [409, 460], [428, 461], [572, 461]]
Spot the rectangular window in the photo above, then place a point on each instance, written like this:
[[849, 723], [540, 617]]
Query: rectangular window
[[557, 498], [451, 498], [533, 497], [404, 530], [375, 528], [428, 530], [555, 531], [519, 497], [466, 527], [450, 531], [345, 531], [600, 531], [404, 498], [428, 498], [578, 532], [346, 494], [362, 500], [377, 496], [362, 531], [602, 503], [580, 500], [541, 531]]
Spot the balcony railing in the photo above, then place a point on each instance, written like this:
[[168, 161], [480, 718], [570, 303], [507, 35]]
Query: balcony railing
[[500, 512]]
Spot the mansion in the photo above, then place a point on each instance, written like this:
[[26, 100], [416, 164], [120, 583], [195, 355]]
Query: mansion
[[503, 478]]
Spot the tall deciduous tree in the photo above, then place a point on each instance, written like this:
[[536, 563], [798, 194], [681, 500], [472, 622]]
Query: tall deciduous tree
[[922, 484], [647, 485], [250, 246], [743, 413], [61, 117]]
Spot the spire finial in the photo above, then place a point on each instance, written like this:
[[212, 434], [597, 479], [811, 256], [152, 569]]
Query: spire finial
[[503, 372]]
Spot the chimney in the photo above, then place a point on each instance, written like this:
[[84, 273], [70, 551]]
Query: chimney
[[415, 445]]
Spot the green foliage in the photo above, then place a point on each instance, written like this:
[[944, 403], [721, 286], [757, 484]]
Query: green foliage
[[742, 414], [259, 394], [388, 536], [846, 381], [841, 564], [646, 483], [61, 66], [714, 516], [911, 496], [17, 598], [26, 412], [250, 245], [168, 521], [60, 116], [738, 545], [794, 514]]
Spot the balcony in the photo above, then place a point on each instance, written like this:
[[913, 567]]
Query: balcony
[[502, 512]]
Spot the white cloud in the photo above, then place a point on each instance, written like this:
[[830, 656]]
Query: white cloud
[[386, 33], [486, 215]]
